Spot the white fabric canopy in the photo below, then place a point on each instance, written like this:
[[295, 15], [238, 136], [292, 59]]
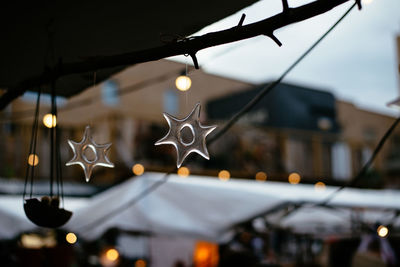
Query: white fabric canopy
[[12, 215], [207, 208]]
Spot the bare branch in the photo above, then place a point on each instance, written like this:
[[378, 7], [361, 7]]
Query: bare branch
[[188, 46]]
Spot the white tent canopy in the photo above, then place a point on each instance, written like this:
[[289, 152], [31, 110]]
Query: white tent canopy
[[207, 208], [12, 215]]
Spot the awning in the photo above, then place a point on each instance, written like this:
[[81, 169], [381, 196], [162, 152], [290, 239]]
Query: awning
[[207, 208]]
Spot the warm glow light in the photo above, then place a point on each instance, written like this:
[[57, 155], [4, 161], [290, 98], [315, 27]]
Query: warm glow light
[[224, 175], [138, 169], [183, 83], [261, 176], [202, 254], [319, 186], [205, 254], [140, 263], [294, 178], [183, 172], [71, 238], [382, 231], [112, 254], [48, 122], [33, 160], [35, 241]]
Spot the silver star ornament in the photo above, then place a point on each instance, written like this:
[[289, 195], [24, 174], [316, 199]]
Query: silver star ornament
[[99, 151], [198, 135]]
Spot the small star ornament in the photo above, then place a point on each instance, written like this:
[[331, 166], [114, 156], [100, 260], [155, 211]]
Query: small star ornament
[[99, 151], [198, 133]]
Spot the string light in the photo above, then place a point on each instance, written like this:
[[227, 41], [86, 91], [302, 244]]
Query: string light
[[224, 175], [382, 231], [183, 172], [33, 160], [71, 238], [319, 186], [138, 169], [112, 254], [294, 178], [261, 176], [183, 83], [50, 120], [140, 263]]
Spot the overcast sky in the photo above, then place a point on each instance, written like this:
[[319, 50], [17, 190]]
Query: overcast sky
[[357, 62]]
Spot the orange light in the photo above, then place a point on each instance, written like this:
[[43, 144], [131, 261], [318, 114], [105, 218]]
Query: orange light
[[261, 176], [140, 263], [138, 169], [224, 175], [294, 178], [320, 186], [183, 172], [33, 160], [112, 254], [71, 238], [205, 254]]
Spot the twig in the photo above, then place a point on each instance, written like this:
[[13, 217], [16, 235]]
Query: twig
[[188, 46]]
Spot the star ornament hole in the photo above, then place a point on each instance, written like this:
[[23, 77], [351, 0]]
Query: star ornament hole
[[186, 135], [89, 153]]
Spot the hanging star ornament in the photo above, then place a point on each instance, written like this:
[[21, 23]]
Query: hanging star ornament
[[99, 151], [198, 135]]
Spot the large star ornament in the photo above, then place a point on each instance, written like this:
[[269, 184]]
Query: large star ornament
[[99, 151], [198, 133]]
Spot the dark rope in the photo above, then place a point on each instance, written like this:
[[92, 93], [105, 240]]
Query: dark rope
[[130, 203], [52, 141], [32, 148], [367, 165], [268, 88]]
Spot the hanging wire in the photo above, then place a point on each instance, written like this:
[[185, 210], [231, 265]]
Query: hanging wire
[[52, 141], [268, 88], [366, 166], [32, 149], [132, 202], [230, 123]]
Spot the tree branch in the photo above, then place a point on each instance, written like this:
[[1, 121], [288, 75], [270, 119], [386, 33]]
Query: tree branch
[[188, 46]]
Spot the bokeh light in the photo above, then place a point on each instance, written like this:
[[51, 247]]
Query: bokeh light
[[183, 83], [382, 231], [261, 176], [294, 178], [48, 121], [138, 169], [33, 160], [319, 186], [71, 238], [112, 254], [140, 263], [224, 175], [183, 172]]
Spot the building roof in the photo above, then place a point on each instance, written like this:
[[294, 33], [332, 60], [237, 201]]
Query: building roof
[[286, 106]]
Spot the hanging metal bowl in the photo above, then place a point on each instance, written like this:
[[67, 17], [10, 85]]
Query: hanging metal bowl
[[44, 214]]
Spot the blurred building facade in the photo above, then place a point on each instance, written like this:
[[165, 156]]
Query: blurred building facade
[[294, 129]]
